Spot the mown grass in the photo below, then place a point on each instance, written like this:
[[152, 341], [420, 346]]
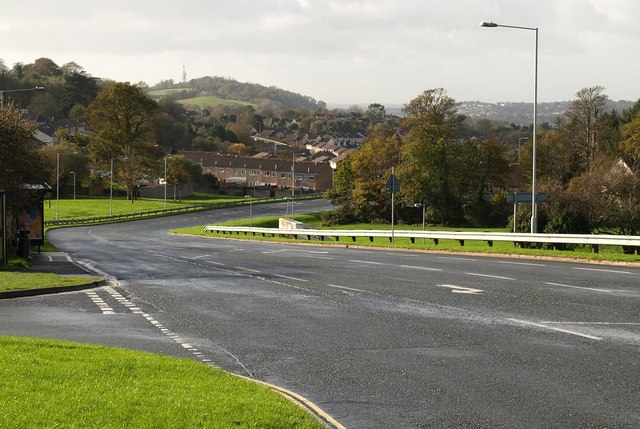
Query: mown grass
[[14, 280], [87, 207], [606, 253], [50, 384]]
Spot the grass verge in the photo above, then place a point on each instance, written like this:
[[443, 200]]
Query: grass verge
[[16, 280], [49, 383], [607, 253], [88, 207]]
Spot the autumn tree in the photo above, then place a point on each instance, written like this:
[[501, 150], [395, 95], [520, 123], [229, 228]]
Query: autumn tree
[[20, 161], [122, 119], [630, 144], [361, 181], [430, 171], [181, 170]]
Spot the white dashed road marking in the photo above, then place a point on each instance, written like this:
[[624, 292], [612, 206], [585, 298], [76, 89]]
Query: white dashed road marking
[[133, 308]]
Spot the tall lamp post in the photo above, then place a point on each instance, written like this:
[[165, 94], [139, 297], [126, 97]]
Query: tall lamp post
[[111, 190], [534, 205], [74, 183], [165, 182], [58, 181]]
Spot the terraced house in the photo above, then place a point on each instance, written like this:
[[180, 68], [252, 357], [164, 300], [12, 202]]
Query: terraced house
[[239, 171]]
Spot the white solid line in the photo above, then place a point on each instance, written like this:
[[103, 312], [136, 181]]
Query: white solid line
[[365, 262], [490, 276], [347, 288], [524, 322], [460, 289], [456, 259], [290, 278], [529, 264], [578, 287], [420, 268], [602, 270], [247, 269]]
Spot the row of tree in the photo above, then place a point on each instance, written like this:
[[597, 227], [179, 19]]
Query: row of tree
[[588, 164]]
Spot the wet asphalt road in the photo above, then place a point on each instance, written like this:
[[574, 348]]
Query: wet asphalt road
[[377, 339]]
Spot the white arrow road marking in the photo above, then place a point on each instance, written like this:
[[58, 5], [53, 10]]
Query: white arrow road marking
[[460, 289]]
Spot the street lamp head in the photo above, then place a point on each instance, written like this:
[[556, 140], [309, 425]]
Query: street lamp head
[[38, 88], [488, 24]]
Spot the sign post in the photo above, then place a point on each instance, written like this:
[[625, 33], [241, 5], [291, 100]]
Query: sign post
[[523, 197], [393, 186]]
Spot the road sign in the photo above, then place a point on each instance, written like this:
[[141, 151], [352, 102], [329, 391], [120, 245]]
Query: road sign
[[525, 197], [393, 185]]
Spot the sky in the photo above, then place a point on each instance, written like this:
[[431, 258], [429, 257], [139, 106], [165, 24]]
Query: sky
[[342, 52]]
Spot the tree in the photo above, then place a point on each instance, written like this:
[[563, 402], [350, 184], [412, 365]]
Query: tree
[[122, 119], [78, 89], [375, 115], [361, 179], [63, 158], [608, 196], [20, 161], [181, 170], [584, 115], [630, 144], [430, 171]]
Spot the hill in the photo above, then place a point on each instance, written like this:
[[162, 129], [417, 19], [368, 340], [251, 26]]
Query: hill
[[522, 113], [216, 91]]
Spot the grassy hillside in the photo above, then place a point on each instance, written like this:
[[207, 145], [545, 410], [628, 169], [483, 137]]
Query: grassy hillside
[[213, 101]]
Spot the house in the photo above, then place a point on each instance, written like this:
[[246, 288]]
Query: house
[[249, 172]]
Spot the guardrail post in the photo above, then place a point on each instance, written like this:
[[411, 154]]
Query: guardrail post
[[461, 242], [596, 248], [490, 243]]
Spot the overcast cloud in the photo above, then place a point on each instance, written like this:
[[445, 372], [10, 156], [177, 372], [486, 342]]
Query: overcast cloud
[[341, 51]]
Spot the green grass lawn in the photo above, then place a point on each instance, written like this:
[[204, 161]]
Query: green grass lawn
[[87, 207], [56, 384], [607, 253], [14, 280]]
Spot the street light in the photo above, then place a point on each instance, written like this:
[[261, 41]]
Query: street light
[[250, 210], [58, 182], [2, 91], [534, 205], [111, 190], [423, 205], [74, 183], [165, 182]]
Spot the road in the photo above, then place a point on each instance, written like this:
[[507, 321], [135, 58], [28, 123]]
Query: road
[[375, 338]]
